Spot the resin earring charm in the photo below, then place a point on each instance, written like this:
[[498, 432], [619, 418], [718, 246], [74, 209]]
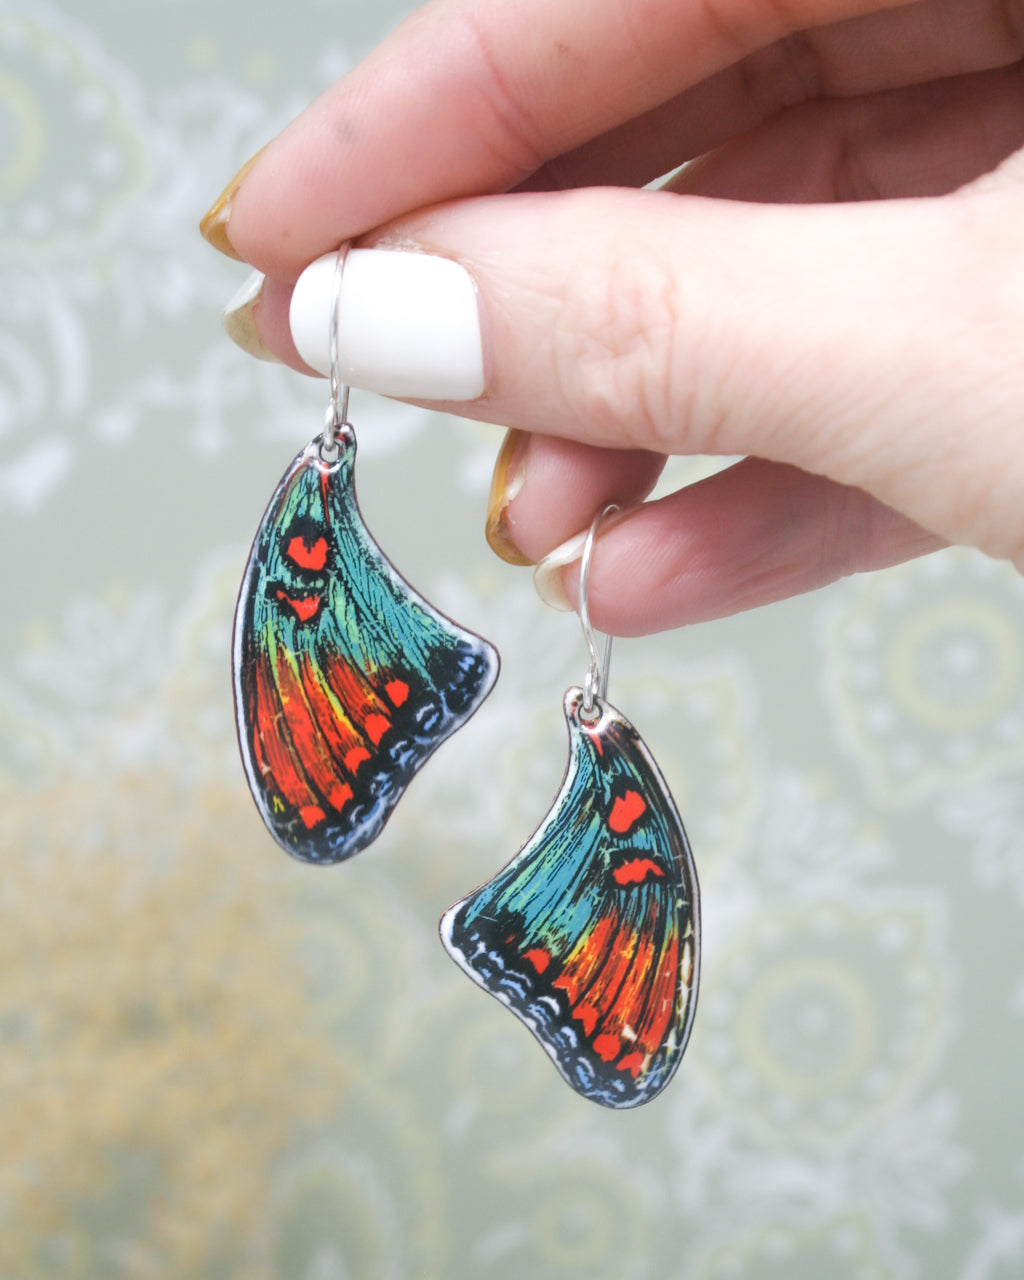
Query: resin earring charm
[[591, 934], [346, 680]]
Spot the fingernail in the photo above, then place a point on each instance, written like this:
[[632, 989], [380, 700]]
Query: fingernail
[[508, 478], [408, 324], [237, 318], [214, 226], [548, 578]]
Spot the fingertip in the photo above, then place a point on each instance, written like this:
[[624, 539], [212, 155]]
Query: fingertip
[[214, 224], [256, 319], [545, 490], [549, 576], [214, 230], [239, 318]]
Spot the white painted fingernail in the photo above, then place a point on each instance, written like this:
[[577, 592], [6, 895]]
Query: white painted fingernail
[[408, 324], [237, 318], [548, 579]]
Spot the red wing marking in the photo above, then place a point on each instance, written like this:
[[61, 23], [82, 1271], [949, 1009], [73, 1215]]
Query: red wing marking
[[314, 557], [606, 1046], [304, 607], [538, 957], [633, 1063], [397, 691], [636, 871], [311, 814], [376, 726], [625, 811], [586, 1014], [356, 757]]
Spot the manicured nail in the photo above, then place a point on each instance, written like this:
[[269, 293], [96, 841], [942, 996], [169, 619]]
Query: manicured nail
[[548, 578], [508, 478], [237, 319], [408, 324], [214, 226]]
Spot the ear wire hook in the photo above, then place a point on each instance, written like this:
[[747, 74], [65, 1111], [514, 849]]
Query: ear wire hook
[[595, 686], [337, 410]]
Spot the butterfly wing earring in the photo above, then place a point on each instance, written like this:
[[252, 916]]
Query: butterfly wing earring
[[346, 680], [591, 934]]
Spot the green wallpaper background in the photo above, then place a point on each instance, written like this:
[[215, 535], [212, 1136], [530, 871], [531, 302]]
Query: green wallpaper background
[[216, 1063]]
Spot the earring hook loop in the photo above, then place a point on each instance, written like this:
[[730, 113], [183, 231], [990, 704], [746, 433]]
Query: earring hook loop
[[337, 410], [595, 686]]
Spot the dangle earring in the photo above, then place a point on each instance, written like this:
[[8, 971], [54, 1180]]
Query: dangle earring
[[345, 679], [591, 934]]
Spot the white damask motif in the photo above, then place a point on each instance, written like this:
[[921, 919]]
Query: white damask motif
[[989, 815], [80, 158], [108, 296], [810, 843], [127, 687], [998, 1251], [924, 668], [578, 1207], [897, 1178], [820, 1018], [840, 1248], [356, 1202]]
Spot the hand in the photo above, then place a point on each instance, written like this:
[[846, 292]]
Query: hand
[[807, 293]]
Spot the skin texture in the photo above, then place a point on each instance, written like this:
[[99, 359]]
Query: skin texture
[[834, 286]]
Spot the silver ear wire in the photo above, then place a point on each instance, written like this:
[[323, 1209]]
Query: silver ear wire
[[337, 410], [595, 686]]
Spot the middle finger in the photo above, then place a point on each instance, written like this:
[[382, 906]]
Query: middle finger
[[890, 49]]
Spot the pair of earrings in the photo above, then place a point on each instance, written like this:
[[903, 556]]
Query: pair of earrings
[[346, 681]]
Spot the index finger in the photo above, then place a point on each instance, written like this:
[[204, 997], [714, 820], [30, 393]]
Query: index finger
[[472, 96]]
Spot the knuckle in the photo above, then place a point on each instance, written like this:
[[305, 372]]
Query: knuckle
[[505, 127], [782, 75], [616, 345]]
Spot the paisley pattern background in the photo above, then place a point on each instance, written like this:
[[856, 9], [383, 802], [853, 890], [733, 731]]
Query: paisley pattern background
[[216, 1063]]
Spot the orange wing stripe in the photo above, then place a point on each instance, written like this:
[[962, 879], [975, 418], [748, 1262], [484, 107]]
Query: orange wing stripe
[[661, 1001], [309, 742], [277, 758], [340, 735]]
